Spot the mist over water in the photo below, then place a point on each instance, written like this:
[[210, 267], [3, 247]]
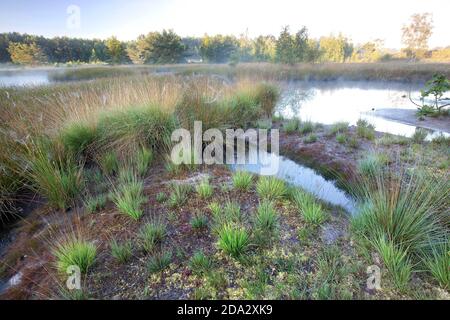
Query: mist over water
[[330, 102]]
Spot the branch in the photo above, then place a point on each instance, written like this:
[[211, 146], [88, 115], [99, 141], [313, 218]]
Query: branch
[[410, 99]]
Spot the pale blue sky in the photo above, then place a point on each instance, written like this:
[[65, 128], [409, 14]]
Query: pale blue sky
[[358, 19]]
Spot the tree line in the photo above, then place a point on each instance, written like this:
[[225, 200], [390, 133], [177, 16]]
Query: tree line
[[167, 47]]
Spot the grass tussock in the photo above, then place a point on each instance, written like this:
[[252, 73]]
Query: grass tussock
[[233, 240], [74, 252], [311, 211], [129, 198], [404, 217], [242, 180], [151, 234], [57, 177], [121, 252], [270, 188], [365, 130]]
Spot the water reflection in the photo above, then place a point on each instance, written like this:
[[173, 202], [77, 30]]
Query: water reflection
[[302, 177], [329, 102], [23, 78]]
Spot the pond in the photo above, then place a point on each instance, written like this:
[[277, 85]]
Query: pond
[[298, 176], [23, 78], [330, 102]]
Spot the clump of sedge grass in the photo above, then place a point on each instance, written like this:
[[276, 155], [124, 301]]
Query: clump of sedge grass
[[309, 208], [419, 135], [266, 218], [159, 261], [78, 137], [200, 263], [74, 252], [215, 208], [199, 221], [109, 163], [306, 127], [60, 180], [179, 195], [341, 138], [372, 164], [365, 130], [129, 198], [233, 240], [396, 261], [242, 180], [161, 197], [96, 203], [143, 160], [270, 188], [291, 126], [437, 262], [204, 189], [339, 127], [311, 138], [151, 234], [406, 208], [121, 252]]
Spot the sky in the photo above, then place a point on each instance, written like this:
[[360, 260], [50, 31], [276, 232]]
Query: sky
[[359, 20]]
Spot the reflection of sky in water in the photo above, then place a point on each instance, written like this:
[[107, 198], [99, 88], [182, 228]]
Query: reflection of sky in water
[[25, 78], [328, 103], [302, 177]]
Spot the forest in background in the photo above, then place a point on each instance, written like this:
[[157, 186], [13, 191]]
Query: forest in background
[[167, 47]]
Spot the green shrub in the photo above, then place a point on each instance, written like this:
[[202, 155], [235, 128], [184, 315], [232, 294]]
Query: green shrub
[[109, 163], [270, 188], [151, 234], [129, 198], [179, 195], [311, 211], [199, 221], [121, 252], [159, 261], [200, 263], [396, 261], [365, 130], [94, 204], [74, 252], [233, 240], [204, 189], [242, 180]]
